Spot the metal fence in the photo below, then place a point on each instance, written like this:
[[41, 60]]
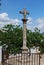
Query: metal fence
[[23, 59]]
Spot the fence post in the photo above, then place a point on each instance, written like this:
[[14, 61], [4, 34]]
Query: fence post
[[39, 58]]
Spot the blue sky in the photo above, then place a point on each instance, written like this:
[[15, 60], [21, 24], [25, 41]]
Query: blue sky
[[9, 13]]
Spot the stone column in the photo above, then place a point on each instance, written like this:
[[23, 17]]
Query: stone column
[[24, 48]]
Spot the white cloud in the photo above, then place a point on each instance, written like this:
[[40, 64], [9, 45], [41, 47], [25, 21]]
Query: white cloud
[[29, 20], [31, 24], [40, 22], [31, 27], [4, 19], [4, 16]]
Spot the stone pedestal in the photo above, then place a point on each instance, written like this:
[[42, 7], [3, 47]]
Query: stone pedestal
[[24, 50]]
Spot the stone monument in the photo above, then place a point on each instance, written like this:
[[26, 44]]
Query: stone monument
[[24, 48]]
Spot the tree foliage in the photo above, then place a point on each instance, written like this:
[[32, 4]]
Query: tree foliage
[[13, 37]]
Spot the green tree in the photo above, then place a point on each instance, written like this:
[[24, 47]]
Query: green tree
[[12, 37]]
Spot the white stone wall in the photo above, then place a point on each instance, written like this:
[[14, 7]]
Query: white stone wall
[[0, 54], [34, 50]]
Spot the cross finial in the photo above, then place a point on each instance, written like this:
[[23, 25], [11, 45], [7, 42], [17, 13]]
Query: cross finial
[[24, 12]]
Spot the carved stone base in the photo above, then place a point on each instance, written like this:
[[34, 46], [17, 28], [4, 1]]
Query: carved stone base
[[24, 49]]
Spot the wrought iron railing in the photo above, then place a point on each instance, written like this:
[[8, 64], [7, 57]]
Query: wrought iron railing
[[23, 59]]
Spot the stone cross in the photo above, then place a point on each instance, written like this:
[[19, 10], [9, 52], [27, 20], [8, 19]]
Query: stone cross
[[24, 12]]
